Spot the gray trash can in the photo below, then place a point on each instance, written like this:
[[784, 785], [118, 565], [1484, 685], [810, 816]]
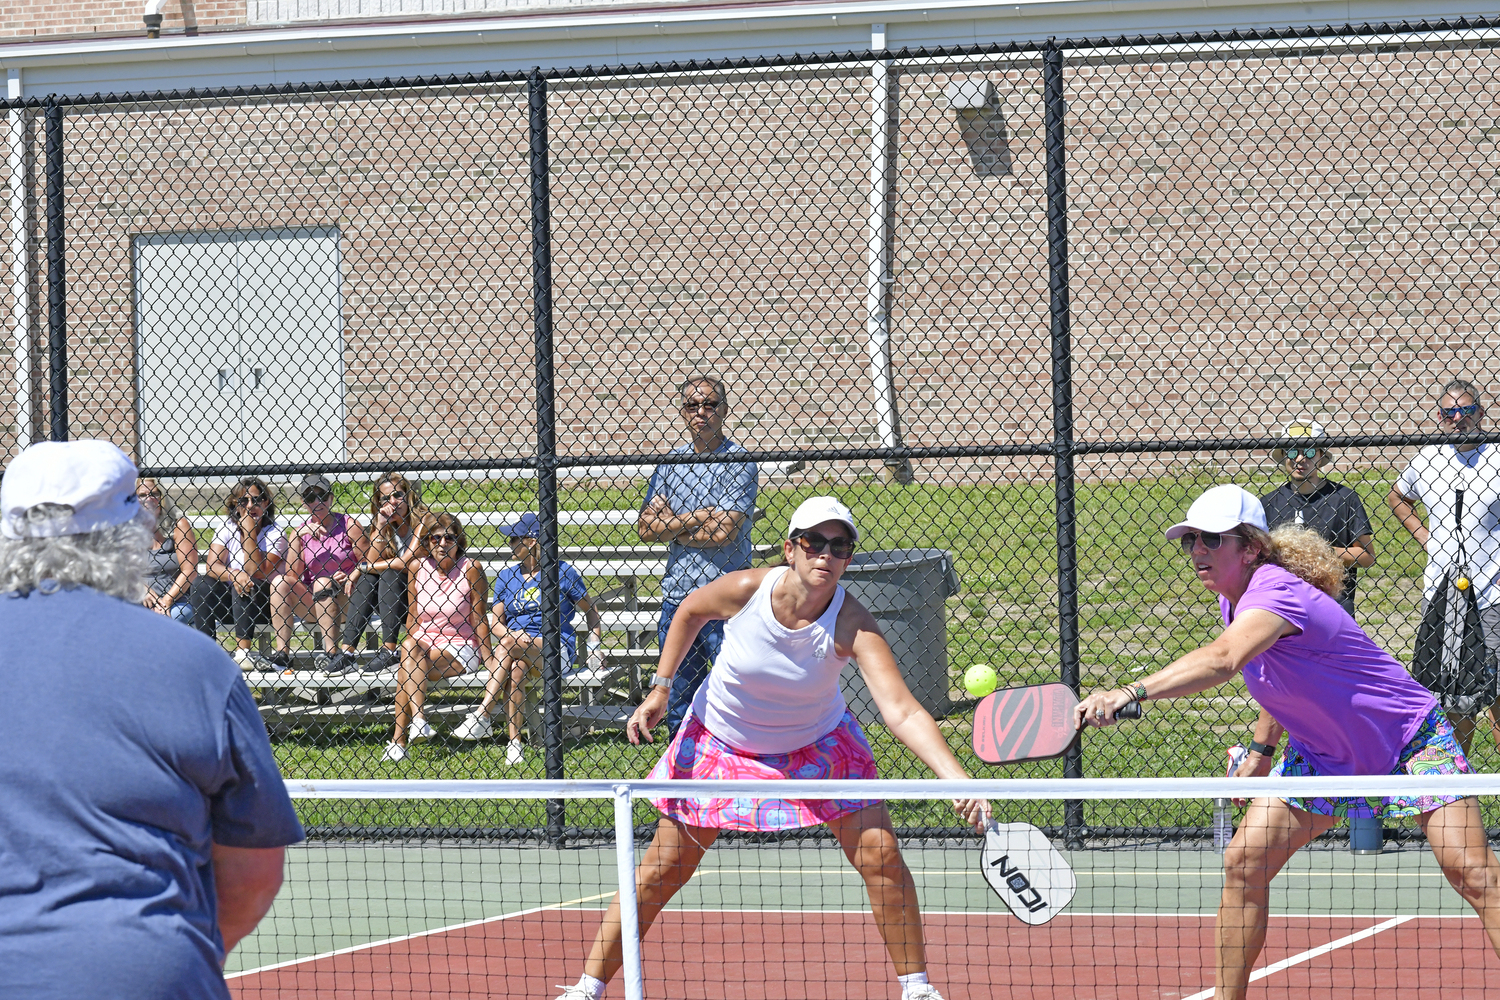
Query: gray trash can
[[904, 589]]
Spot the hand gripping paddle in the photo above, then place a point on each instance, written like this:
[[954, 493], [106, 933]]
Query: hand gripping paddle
[[1026, 872], [1030, 723]]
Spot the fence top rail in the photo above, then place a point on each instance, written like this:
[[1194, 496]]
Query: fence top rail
[[996, 788], [1262, 41]]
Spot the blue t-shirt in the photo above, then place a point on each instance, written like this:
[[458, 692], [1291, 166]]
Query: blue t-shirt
[[138, 747], [729, 486], [521, 597]]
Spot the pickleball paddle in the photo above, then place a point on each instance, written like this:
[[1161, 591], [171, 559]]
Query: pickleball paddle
[[1030, 723], [1028, 874]]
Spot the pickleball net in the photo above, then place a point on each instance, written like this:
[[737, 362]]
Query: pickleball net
[[418, 889]]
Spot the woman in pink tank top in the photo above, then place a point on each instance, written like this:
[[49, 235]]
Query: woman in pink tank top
[[447, 631], [321, 554]]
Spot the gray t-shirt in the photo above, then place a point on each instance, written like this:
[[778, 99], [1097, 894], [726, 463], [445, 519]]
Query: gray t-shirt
[[137, 749]]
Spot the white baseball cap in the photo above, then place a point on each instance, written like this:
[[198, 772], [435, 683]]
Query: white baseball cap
[[94, 480], [815, 510], [1221, 509], [1302, 428]]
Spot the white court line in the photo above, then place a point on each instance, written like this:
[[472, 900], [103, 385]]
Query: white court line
[[420, 934], [1285, 963]]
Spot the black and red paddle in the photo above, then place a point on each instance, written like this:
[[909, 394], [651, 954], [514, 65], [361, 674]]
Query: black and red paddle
[[1030, 723]]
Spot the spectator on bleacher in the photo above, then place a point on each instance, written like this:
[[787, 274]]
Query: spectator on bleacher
[[1433, 479], [174, 555], [379, 584], [145, 824], [447, 631], [703, 512], [321, 554], [517, 626], [1331, 509], [246, 553]]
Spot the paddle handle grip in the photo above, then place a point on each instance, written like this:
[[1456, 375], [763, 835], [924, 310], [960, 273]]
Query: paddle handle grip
[[1130, 711]]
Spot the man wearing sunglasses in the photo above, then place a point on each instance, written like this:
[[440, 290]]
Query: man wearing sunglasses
[[1331, 509], [1433, 479], [702, 511]]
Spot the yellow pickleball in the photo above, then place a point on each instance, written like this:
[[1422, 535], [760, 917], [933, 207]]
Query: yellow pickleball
[[980, 680], [1462, 583]]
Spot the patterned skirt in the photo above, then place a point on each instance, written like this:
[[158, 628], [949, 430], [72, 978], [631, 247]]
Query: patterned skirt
[[1433, 750], [695, 753]]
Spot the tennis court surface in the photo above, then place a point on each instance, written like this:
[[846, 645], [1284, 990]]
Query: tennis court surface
[[791, 920]]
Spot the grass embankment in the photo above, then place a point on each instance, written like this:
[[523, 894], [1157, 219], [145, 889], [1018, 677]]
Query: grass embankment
[[1139, 606]]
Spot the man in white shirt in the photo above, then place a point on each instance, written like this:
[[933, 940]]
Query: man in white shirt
[[1433, 479]]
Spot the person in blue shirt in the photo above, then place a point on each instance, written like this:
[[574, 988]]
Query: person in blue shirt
[[517, 626], [702, 511], [145, 823]]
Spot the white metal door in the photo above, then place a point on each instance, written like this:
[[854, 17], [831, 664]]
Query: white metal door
[[239, 346], [292, 336], [188, 350]]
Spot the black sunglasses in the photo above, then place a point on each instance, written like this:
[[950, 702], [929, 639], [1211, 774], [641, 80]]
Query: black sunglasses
[[693, 406], [1211, 539], [248, 499], [397, 496], [442, 536], [813, 544], [316, 496]]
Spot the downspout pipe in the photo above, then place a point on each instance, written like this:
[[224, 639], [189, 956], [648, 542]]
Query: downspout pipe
[[152, 17], [18, 145], [878, 276]]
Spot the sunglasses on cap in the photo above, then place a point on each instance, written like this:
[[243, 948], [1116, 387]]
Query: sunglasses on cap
[[1454, 412], [813, 544], [1211, 539]]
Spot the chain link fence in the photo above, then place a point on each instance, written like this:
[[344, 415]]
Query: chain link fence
[[1016, 307]]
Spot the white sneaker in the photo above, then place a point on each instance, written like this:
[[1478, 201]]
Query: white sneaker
[[922, 991], [514, 753], [419, 730], [477, 725], [574, 992], [242, 659], [394, 752]]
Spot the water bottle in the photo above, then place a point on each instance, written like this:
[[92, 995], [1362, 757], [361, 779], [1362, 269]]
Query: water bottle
[[1223, 818], [595, 655]]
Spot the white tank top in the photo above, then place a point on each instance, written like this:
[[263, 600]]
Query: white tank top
[[773, 689]]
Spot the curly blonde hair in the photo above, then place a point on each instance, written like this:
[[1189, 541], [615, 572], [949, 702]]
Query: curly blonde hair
[[1302, 552]]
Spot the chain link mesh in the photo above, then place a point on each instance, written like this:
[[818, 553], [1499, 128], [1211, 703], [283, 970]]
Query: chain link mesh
[[341, 281]]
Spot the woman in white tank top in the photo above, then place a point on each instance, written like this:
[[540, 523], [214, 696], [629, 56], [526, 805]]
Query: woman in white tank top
[[772, 708]]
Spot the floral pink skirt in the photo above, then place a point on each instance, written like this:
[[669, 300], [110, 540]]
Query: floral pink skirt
[[695, 753]]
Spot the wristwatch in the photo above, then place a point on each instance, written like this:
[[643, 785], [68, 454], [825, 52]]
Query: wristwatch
[[661, 682]]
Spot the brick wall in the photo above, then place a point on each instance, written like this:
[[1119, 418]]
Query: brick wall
[[1253, 241], [34, 19]]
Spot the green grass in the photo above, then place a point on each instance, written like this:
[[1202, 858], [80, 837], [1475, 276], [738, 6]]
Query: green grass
[[1139, 607]]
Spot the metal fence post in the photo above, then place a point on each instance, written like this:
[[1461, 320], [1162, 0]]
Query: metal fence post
[[57, 303], [1062, 400], [546, 441]]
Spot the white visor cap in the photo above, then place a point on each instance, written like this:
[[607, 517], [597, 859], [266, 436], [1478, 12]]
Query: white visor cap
[[1221, 509], [92, 482], [815, 510]]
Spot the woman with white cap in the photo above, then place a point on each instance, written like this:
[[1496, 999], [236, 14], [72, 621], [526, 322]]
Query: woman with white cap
[[770, 709], [1347, 705]]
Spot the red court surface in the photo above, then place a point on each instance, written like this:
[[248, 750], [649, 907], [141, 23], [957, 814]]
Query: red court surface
[[740, 955]]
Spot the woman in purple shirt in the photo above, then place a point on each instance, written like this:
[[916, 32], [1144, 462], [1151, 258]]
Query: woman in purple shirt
[[1347, 705]]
